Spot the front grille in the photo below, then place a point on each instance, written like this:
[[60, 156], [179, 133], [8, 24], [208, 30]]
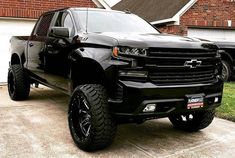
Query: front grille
[[182, 77], [167, 67], [181, 53]]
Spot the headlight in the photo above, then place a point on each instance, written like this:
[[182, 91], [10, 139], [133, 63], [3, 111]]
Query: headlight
[[130, 51]]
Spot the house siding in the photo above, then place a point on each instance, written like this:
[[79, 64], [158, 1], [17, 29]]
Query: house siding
[[204, 13], [34, 8]]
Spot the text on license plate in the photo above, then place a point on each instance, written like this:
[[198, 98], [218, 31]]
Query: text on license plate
[[195, 102]]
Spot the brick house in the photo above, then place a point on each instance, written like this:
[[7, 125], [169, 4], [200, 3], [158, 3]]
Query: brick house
[[17, 17], [208, 19]]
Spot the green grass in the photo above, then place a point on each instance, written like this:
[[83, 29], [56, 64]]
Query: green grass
[[227, 109]]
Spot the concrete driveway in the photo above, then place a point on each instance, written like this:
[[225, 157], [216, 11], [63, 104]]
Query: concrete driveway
[[38, 128]]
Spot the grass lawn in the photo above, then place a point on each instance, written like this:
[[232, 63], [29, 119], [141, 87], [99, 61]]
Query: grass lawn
[[227, 109]]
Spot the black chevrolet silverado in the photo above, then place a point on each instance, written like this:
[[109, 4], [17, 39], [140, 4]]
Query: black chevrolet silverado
[[117, 68]]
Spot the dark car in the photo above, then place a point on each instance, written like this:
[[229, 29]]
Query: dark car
[[117, 68], [227, 51]]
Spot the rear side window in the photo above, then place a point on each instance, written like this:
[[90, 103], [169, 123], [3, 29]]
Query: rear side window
[[44, 25]]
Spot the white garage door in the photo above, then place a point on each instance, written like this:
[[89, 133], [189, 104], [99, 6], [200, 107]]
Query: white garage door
[[212, 34], [8, 28]]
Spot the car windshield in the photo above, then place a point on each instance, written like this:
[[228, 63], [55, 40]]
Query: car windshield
[[107, 21]]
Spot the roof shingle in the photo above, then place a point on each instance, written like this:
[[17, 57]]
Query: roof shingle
[[152, 10]]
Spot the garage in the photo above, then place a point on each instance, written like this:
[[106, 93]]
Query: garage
[[8, 28], [212, 34]]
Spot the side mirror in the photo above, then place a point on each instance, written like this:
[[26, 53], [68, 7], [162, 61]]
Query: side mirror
[[59, 32]]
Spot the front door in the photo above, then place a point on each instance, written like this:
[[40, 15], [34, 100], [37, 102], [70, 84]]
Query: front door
[[56, 64]]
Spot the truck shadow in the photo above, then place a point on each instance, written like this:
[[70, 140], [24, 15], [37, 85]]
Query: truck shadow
[[156, 136]]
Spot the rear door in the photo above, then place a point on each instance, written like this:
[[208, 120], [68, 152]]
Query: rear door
[[36, 46]]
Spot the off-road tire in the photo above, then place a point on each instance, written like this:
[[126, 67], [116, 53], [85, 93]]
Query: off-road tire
[[18, 83], [199, 121], [102, 126], [227, 70]]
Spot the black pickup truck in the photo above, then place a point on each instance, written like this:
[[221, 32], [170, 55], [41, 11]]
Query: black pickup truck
[[227, 51], [117, 68]]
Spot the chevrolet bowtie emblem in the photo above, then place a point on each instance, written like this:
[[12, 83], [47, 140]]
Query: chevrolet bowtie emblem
[[192, 63]]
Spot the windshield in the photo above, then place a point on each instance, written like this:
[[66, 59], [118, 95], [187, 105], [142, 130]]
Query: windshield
[[105, 21]]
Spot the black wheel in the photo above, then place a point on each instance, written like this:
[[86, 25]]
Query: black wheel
[[18, 83], [226, 70], [91, 125], [193, 121]]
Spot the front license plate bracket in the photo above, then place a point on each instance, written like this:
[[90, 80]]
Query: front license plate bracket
[[195, 101]]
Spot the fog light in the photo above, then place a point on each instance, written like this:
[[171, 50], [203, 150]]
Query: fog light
[[141, 74], [216, 100], [150, 108]]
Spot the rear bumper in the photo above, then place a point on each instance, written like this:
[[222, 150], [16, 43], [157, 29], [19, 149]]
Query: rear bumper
[[169, 99]]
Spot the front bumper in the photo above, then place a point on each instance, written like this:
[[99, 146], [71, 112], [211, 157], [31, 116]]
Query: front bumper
[[169, 99]]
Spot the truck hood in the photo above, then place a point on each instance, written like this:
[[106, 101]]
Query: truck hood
[[148, 40]]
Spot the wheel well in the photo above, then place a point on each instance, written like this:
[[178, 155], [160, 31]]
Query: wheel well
[[15, 59], [87, 71]]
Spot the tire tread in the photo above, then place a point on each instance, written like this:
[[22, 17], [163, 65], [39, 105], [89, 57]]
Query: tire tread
[[104, 127], [22, 83]]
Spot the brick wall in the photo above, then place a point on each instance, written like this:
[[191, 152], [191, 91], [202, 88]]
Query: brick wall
[[34, 8], [205, 13]]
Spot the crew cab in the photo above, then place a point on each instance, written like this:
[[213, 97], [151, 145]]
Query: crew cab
[[116, 68]]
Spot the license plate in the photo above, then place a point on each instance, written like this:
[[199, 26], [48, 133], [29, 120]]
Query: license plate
[[195, 102]]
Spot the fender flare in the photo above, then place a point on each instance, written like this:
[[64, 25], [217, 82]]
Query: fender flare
[[86, 70]]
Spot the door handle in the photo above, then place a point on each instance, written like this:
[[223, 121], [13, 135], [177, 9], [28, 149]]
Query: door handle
[[31, 44]]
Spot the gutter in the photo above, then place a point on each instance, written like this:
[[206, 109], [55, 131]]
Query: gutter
[[102, 4], [97, 3], [163, 21], [15, 18]]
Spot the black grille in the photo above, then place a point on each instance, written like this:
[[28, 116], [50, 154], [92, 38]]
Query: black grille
[[182, 77], [167, 67], [182, 53]]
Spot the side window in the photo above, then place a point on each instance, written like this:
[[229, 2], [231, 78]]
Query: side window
[[69, 24], [65, 20], [44, 25]]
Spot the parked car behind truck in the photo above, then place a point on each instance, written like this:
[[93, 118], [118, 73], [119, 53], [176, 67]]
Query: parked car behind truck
[[116, 68], [227, 51]]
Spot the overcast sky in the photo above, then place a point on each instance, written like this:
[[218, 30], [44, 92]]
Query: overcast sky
[[112, 2]]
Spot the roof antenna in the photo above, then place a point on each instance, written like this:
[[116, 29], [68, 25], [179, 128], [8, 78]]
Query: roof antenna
[[86, 19]]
